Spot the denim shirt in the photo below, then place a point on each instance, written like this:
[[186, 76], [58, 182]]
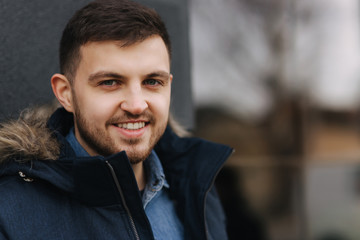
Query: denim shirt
[[159, 208]]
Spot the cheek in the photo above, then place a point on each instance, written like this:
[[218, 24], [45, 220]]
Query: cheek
[[96, 107], [160, 107]]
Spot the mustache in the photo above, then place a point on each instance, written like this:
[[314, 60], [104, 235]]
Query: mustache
[[126, 116]]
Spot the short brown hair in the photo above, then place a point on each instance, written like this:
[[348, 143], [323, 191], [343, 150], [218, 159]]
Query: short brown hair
[[103, 20]]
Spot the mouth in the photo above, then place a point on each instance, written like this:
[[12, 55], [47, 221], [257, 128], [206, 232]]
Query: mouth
[[132, 125]]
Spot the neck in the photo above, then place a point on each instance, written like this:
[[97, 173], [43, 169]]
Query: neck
[[139, 172]]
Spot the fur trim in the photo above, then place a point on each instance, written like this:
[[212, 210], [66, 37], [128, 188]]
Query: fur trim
[[28, 137]]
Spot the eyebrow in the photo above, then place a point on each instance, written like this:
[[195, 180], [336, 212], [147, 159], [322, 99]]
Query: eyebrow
[[105, 74], [161, 74]]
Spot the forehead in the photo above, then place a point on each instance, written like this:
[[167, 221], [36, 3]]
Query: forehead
[[154, 41], [110, 55]]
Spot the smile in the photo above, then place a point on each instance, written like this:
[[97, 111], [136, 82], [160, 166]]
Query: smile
[[131, 126]]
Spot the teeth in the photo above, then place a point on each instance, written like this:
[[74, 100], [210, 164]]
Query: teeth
[[132, 126]]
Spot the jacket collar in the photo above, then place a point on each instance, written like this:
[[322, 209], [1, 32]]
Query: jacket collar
[[183, 159]]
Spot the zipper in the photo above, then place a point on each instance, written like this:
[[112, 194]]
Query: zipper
[[208, 190], [132, 223]]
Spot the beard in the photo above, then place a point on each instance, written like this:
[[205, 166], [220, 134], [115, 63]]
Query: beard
[[100, 141]]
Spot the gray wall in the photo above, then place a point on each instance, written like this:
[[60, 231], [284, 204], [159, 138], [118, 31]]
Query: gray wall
[[30, 34]]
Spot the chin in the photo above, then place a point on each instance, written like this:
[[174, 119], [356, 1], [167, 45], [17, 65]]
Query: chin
[[137, 155], [135, 159]]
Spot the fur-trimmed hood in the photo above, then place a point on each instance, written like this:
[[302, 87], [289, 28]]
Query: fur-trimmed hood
[[28, 137]]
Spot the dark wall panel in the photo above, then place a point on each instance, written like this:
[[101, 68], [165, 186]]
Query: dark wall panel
[[29, 37]]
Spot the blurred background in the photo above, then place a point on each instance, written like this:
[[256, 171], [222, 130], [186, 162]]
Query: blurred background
[[279, 81]]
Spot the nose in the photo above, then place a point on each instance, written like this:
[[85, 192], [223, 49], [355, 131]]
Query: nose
[[134, 101]]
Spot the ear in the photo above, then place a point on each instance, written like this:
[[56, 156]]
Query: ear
[[171, 78], [62, 90]]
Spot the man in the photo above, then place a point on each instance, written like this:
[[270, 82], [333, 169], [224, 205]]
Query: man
[[107, 165]]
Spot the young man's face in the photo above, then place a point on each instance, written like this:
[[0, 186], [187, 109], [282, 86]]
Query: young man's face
[[121, 97]]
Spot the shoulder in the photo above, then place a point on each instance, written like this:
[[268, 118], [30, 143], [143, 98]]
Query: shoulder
[[10, 189], [13, 200], [22, 200], [19, 197], [15, 193], [27, 209]]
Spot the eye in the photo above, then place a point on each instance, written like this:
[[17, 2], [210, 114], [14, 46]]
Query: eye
[[152, 82], [108, 82]]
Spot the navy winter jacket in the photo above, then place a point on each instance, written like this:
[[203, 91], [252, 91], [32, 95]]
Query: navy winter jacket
[[65, 197]]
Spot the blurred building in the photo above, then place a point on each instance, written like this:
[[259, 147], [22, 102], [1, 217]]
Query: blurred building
[[279, 80]]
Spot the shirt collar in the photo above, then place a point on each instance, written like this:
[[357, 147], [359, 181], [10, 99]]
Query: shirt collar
[[155, 172], [74, 143]]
